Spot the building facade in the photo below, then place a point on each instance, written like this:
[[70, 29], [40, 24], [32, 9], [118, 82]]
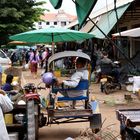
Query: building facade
[[59, 19]]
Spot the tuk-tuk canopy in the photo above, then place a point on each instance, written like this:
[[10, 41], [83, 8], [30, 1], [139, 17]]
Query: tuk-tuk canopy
[[60, 55]]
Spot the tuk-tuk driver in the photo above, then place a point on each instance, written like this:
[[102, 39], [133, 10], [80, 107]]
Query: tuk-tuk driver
[[80, 74]]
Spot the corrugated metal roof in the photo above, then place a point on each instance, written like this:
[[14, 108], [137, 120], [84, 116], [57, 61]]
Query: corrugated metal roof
[[108, 8], [99, 12]]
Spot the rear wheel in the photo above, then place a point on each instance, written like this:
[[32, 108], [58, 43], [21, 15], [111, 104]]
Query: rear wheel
[[108, 88], [102, 87], [96, 130]]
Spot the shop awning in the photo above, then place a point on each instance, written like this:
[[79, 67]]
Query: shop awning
[[72, 24], [56, 3], [107, 21], [89, 26], [83, 9], [131, 33]]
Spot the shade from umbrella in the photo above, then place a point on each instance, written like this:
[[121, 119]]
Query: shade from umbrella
[[50, 35]]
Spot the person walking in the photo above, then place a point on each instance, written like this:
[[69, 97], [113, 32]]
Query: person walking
[[45, 56], [107, 67], [34, 60]]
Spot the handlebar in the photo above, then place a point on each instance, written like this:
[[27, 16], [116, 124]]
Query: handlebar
[[32, 86], [41, 88]]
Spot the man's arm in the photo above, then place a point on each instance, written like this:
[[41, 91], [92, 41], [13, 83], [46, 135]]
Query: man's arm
[[0, 76], [74, 80], [5, 103]]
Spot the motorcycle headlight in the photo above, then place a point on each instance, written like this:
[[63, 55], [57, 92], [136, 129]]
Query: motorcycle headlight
[[130, 79]]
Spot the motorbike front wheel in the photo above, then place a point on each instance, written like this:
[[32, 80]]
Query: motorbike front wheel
[[32, 120], [108, 88], [111, 87], [118, 86]]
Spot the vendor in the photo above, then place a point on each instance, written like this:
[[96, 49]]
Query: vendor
[[8, 85], [9, 89]]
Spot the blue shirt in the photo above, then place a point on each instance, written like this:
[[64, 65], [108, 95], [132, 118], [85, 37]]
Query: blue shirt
[[7, 87]]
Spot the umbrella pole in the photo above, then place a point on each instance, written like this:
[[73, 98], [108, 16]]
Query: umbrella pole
[[53, 51], [53, 45]]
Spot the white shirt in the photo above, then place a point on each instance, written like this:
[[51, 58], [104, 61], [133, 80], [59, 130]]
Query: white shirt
[[80, 74], [44, 55], [59, 63], [0, 68], [5, 106]]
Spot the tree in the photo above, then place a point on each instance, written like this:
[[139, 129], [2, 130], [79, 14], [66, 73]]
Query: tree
[[17, 16]]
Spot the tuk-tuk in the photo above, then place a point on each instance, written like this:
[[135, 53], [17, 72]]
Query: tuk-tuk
[[58, 108]]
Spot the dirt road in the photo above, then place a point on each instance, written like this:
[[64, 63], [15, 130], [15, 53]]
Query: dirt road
[[108, 105]]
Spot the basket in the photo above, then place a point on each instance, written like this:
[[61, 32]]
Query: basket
[[8, 118], [57, 73]]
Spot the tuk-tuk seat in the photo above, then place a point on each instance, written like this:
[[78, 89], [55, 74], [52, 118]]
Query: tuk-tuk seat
[[83, 85], [72, 98]]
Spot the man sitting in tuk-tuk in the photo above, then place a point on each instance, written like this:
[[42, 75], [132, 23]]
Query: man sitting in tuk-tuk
[[80, 74]]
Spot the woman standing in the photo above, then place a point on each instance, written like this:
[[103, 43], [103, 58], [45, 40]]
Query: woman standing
[[34, 60]]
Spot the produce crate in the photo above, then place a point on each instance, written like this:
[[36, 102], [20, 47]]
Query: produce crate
[[131, 115]]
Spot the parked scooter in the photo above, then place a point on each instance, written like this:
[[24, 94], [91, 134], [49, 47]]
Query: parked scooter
[[109, 83], [34, 117]]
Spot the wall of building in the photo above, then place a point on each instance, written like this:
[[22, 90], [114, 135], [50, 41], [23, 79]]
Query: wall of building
[[59, 19]]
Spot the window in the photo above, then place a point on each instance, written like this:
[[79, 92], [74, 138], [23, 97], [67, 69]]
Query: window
[[55, 23], [63, 23], [39, 23], [47, 23]]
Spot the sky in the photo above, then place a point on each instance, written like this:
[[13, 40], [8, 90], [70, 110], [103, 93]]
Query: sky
[[69, 7]]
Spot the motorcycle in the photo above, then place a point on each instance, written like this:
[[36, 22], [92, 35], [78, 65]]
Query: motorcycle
[[109, 83]]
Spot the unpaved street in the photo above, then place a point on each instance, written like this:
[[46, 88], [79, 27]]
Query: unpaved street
[[107, 109]]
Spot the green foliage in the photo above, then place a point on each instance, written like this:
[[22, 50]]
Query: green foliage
[[18, 16]]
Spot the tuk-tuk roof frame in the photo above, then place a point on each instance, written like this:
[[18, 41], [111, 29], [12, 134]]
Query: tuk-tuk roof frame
[[64, 54]]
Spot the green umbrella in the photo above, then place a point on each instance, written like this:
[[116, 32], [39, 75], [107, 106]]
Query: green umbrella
[[51, 35]]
